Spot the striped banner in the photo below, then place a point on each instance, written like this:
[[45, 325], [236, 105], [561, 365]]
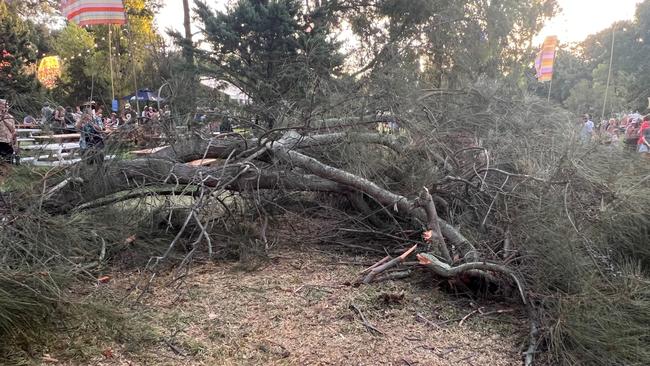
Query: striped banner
[[92, 12], [545, 59]]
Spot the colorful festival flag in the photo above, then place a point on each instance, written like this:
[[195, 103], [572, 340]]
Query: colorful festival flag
[[92, 12], [545, 59]]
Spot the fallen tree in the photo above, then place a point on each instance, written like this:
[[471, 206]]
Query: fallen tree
[[507, 198]]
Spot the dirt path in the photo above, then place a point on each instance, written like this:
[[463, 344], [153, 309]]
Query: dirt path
[[297, 311]]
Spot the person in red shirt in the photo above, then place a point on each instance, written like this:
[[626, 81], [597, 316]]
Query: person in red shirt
[[641, 143]]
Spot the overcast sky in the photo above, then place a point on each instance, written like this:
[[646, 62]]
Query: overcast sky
[[578, 18]]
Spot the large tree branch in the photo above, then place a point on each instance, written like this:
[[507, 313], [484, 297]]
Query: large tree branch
[[445, 270], [394, 143], [282, 149], [142, 174], [220, 147]]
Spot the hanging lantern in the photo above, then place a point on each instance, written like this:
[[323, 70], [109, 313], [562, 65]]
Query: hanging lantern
[[49, 71]]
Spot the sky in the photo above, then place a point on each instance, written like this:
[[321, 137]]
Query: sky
[[580, 18], [171, 14], [577, 20]]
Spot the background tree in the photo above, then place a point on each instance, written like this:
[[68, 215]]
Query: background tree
[[455, 41], [17, 57], [275, 51], [84, 72], [85, 54], [580, 75]]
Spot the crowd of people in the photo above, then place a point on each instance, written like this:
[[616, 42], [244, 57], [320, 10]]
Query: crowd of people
[[60, 118], [631, 131], [89, 120]]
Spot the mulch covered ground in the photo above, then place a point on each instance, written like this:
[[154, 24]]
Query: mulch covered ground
[[298, 309]]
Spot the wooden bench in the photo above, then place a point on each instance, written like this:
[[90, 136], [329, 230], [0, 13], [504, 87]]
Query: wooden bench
[[55, 163], [53, 146], [50, 157], [202, 162], [53, 149], [37, 161], [59, 138], [27, 132]]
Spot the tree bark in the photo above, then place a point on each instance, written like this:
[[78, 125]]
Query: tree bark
[[188, 52], [143, 173], [399, 203], [434, 226], [162, 168]]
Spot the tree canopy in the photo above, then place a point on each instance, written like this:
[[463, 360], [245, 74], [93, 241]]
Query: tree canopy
[[274, 51], [17, 56]]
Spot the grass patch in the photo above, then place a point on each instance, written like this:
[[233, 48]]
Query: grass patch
[[81, 332]]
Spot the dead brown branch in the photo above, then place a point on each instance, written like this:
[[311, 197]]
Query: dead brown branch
[[377, 269], [433, 225]]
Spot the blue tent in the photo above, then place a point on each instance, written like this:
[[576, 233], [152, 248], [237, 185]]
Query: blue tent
[[144, 95]]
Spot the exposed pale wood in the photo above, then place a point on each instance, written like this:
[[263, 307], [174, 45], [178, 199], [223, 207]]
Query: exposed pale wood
[[145, 152], [390, 264], [202, 162]]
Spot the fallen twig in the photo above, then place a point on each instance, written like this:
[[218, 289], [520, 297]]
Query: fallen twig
[[382, 261], [175, 348], [407, 362], [421, 317], [467, 316], [399, 275], [364, 321]]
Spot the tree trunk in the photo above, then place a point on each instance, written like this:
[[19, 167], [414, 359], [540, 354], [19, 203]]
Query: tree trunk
[[188, 52]]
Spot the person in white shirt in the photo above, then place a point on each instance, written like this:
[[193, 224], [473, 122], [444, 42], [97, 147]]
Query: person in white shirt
[[587, 129]]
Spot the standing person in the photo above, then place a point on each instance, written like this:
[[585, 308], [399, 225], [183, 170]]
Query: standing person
[[69, 118], [587, 129], [99, 113], [91, 141], [642, 146], [46, 114], [644, 143], [77, 113], [113, 121], [611, 125], [226, 125], [632, 134], [59, 117], [128, 116], [7, 133]]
